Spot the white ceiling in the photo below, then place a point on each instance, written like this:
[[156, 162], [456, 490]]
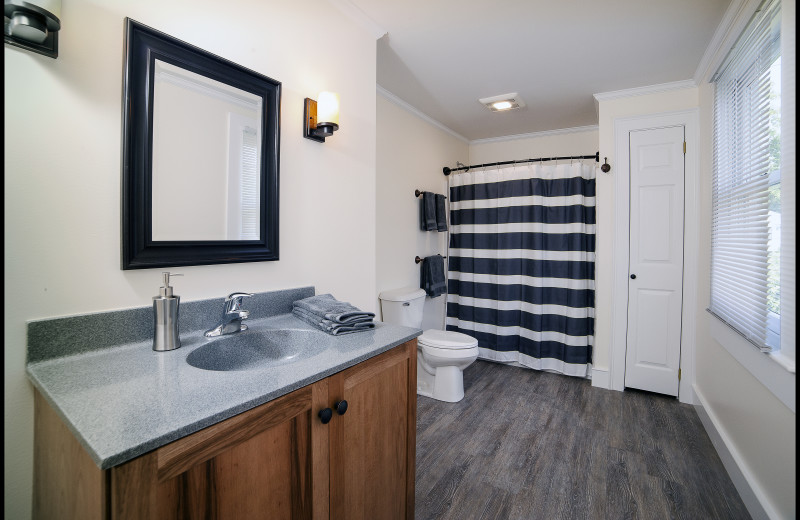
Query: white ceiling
[[441, 56]]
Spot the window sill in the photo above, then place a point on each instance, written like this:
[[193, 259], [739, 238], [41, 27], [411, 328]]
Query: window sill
[[782, 360], [773, 370]]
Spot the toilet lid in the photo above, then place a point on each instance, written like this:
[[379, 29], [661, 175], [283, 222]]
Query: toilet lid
[[447, 339]]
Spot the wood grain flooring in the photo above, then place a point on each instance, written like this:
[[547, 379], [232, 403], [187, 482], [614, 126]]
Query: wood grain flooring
[[525, 444]]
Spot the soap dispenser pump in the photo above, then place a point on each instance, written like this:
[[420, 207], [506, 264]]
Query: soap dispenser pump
[[165, 313]]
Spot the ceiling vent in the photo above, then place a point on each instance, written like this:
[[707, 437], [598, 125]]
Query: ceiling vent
[[503, 103]]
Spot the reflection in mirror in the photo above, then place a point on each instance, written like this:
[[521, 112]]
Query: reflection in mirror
[[206, 158]]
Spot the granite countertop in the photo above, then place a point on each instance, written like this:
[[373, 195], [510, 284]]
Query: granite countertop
[[126, 400]]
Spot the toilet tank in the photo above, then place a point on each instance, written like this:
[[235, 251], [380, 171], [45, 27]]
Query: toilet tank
[[403, 306]]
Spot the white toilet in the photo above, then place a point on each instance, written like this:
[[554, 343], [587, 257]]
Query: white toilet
[[442, 355]]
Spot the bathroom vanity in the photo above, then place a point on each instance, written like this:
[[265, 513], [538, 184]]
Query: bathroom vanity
[[125, 432]]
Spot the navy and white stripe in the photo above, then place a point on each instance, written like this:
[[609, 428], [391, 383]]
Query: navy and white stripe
[[521, 264]]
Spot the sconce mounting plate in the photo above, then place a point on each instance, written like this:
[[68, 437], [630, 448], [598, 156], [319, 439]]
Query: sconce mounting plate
[[310, 116]]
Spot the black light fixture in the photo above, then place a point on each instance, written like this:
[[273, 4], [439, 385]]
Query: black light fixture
[[33, 25], [322, 117]]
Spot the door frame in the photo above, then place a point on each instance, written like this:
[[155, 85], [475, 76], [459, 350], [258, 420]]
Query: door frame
[[622, 128]]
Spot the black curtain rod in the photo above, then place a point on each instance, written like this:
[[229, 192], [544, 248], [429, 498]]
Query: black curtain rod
[[596, 157]]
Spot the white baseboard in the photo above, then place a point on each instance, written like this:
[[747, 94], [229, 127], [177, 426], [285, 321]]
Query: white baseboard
[[753, 497], [600, 378]]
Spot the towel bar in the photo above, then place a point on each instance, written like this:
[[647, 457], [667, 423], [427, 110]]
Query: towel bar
[[417, 193], [418, 259]]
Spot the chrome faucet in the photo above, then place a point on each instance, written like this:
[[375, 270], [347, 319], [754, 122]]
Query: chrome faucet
[[232, 316]]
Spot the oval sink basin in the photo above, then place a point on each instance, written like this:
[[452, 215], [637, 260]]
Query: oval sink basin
[[255, 349]]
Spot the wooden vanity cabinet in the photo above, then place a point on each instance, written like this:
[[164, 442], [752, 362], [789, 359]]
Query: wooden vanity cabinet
[[278, 460]]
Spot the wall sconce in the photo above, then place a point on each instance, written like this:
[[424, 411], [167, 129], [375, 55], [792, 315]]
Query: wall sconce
[[33, 25], [321, 117]]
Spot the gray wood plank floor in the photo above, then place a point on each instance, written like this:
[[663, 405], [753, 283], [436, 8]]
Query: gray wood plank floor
[[528, 444]]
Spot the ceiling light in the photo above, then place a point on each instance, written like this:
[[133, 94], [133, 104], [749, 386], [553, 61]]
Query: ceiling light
[[503, 102]]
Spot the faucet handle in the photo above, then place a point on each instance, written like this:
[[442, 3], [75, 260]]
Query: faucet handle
[[234, 301]]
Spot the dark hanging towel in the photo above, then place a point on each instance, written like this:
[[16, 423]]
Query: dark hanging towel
[[427, 211], [432, 277], [441, 213]]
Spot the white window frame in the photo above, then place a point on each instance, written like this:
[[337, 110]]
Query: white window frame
[[776, 370]]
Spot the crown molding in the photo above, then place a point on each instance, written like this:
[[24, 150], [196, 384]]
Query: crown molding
[[733, 22], [642, 91], [545, 133], [409, 108], [357, 15]]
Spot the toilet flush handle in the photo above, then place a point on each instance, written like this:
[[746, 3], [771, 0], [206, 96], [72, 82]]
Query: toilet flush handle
[[406, 304]]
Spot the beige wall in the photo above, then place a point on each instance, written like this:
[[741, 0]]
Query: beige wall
[[410, 155], [609, 110], [62, 175], [756, 424], [560, 144]]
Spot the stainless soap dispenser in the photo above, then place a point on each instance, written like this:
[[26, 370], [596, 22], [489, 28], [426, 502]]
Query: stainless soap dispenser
[[165, 313]]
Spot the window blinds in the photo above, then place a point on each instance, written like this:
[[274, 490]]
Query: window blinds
[[740, 226], [250, 198]]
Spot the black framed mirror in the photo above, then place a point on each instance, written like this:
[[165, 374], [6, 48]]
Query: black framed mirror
[[200, 156]]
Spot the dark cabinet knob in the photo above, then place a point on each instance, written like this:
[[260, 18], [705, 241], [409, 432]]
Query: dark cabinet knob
[[633, 277], [325, 415], [341, 407]]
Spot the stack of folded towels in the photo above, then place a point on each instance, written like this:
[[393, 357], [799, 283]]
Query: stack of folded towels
[[332, 316]]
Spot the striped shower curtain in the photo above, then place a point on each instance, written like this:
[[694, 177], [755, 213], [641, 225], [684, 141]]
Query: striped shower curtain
[[521, 264]]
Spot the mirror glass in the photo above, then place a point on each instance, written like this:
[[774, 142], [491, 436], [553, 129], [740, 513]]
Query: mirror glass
[[206, 157], [201, 141]]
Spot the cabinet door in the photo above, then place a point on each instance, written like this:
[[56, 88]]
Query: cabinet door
[[372, 446], [269, 462]]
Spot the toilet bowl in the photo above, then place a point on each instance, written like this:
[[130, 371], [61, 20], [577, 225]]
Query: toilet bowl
[[442, 355]]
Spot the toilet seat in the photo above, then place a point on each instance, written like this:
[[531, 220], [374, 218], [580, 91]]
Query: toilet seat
[[446, 340]]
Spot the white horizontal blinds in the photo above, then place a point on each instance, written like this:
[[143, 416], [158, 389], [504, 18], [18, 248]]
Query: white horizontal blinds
[[788, 274], [250, 193], [740, 226]]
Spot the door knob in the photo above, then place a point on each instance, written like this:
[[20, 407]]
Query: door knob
[[633, 277], [341, 407], [325, 415]]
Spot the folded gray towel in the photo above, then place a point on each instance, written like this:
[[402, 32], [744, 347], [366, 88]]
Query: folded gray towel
[[432, 276], [441, 213], [327, 307], [335, 329], [328, 324], [427, 211]]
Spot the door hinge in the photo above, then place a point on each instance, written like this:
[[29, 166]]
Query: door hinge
[[679, 374], [684, 148]]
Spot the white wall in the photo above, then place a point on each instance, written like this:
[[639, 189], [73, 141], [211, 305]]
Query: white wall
[[609, 110], [62, 174], [579, 141], [411, 153]]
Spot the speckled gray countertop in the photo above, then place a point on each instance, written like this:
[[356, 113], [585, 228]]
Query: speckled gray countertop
[[125, 400]]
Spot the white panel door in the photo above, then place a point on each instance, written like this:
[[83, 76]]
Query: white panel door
[[655, 284]]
